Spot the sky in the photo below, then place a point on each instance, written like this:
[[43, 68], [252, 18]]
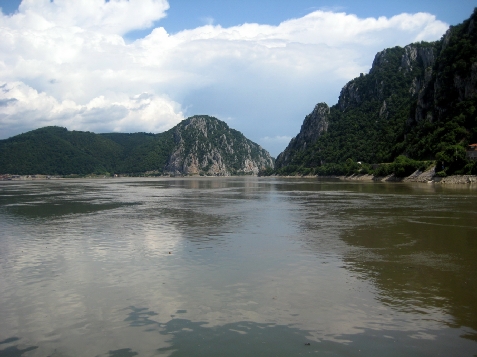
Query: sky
[[144, 65]]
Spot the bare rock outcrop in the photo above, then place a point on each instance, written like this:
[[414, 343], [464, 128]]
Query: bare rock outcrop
[[315, 124], [204, 145]]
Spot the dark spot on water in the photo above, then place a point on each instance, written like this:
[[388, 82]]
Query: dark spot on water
[[123, 352], [14, 351], [140, 317]]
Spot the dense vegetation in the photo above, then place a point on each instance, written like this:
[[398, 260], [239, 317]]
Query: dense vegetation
[[417, 102], [57, 151], [142, 152]]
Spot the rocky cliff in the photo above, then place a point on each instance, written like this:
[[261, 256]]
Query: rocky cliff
[[206, 145], [419, 101], [315, 124], [453, 78]]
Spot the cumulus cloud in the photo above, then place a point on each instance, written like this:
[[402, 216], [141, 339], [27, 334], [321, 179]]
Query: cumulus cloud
[[23, 106], [69, 63], [115, 16]]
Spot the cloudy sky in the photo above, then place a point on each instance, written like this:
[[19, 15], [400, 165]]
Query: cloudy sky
[[144, 65]]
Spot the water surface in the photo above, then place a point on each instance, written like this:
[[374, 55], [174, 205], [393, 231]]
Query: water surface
[[237, 267]]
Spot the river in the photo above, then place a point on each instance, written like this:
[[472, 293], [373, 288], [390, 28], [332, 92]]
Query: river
[[239, 266]]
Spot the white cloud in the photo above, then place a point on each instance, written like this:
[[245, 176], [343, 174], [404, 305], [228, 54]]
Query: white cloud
[[22, 106], [70, 64], [115, 16]]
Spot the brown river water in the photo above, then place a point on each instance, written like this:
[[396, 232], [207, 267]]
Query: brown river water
[[239, 266]]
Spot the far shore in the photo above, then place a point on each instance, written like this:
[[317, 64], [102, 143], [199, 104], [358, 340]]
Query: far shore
[[428, 176]]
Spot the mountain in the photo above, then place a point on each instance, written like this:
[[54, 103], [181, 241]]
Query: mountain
[[198, 145], [418, 102], [205, 144]]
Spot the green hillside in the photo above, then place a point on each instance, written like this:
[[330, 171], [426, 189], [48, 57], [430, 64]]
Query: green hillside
[[209, 143], [57, 151], [417, 103]]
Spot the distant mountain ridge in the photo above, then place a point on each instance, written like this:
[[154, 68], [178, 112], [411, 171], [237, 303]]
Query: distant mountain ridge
[[419, 101], [199, 145]]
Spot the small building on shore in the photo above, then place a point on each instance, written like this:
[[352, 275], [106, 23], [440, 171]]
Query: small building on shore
[[472, 152]]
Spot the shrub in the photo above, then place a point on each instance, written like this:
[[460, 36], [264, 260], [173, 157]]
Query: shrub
[[383, 170], [403, 166], [453, 158]]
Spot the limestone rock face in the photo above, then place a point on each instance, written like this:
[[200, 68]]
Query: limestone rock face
[[207, 146], [417, 61], [350, 95], [380, 60], [439, 87], [424, 56], [315, 124]]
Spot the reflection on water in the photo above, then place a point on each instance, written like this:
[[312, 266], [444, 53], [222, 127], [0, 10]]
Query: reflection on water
[[422, 259], [237, 266]]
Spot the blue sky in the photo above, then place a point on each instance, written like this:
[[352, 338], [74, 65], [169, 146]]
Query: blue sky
[[190, 14], [145, 65], [187, 14]]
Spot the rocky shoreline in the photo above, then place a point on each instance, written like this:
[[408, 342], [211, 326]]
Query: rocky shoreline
[[428, 176]]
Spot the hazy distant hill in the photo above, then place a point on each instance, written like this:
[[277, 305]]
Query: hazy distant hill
[[418, 101], [197, 145]]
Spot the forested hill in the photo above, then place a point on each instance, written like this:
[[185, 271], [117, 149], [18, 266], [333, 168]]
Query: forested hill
[[198, 145], [418, 102]]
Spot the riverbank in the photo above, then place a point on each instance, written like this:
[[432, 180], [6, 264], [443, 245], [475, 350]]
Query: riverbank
[[8, 177], [428, 176]]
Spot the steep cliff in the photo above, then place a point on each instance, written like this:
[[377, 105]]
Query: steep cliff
[[206, 145], [314, 125], [370, 117], [444, 114], [419, 101]]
